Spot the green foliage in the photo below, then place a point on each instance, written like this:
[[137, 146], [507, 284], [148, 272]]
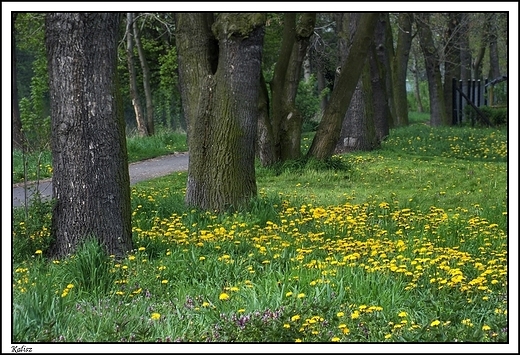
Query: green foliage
[[165, 141], [425, 98], [496, 115], [31, 228], [308, 103]]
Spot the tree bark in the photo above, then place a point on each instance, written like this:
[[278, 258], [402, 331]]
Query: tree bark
[[494, 67], [91, 184], [286, 119], [452, 57], [146, 80], [400, 67], [221, 106], [16, 123], [431, 58], [142, 127], [328, 132], [465, 53]]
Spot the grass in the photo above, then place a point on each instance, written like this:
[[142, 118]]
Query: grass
[[405, 244], [39, 164]]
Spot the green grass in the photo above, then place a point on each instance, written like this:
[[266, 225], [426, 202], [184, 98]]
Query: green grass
[[39, 164], [405, 244]]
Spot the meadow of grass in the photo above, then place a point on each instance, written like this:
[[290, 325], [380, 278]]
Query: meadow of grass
[[38, 164], [407, 243]]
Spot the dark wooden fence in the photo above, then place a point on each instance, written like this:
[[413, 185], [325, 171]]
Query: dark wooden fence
[[471, 92]]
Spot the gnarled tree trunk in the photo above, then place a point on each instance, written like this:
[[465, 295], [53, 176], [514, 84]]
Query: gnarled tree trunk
[[220, 100]]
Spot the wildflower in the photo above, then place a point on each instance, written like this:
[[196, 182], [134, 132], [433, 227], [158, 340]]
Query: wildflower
[[242, 310], [402, 314], [38, 252], [288, 294], [435, 323], [69, 286], [335, 339], [155, 316], [340, 314], [298, 340], [223, 296], [164, 281], [486, 327], [286, 325], [295, 318], [301, 295], [141, 248], [354, 315]]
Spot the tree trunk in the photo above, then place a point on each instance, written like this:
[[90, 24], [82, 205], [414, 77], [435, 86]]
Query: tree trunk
[[465, 53], [328, 132], [368, 103], [222, 109], [17, 137], [91, 184], [451, 60], [494, 67], [146, 80], [400, 67], [265, 148], [431, 58], [286, 119], [416, 80], [142, 127]]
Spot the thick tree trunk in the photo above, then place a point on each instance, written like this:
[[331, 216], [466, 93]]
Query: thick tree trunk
[[142, 127], [91, 184], [221, 107], [17, 137], [329, 129], [431, 58], [400, 67], [146, 80]]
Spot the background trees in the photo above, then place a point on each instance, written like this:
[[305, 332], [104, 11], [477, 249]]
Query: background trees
[[300, 56], [91, 185]]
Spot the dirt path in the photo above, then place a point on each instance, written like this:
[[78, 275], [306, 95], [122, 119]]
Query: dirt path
[[139, 171]]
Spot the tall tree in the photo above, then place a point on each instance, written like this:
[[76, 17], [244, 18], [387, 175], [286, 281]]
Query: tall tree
[[142, 126], [219, 72], [328, 131], [286, 119], [452, 57], [17, 136], [146, 79], [400, 67], [438, 114], [91, 184]]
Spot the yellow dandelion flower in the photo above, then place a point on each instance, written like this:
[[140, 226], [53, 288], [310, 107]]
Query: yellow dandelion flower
[[286, 325], [301, 295], [298, 340], [223, 296], [435, 323], [295, 318], [69, 286], [288, 294], [242, 310], [402, 314], [164, 281], [340, 314], [38, 252], [141, 249], [155, 316], [335, 339], [486, 327]]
